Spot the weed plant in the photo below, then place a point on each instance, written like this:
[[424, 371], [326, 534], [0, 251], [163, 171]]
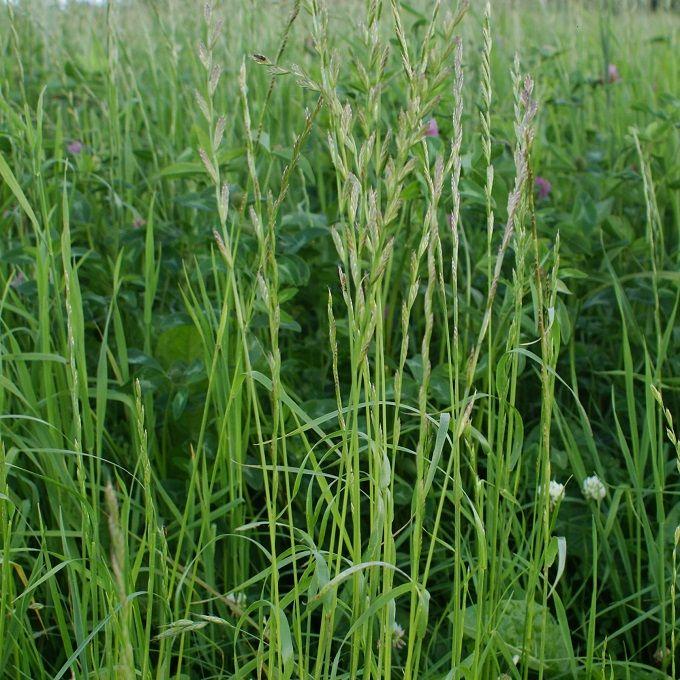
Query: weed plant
[[339, 340]]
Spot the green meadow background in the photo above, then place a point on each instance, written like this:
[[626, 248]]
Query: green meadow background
[[339, 340]]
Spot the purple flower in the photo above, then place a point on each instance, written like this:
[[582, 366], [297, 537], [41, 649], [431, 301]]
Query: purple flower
[[75, 147], [543, 187], [613, 74], [138, 222], [432, 129], [18, 279]]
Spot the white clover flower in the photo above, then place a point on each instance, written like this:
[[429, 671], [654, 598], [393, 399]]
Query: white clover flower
[[661, 656], [398, 635], [593, 488], [237, 602], [556, 491]]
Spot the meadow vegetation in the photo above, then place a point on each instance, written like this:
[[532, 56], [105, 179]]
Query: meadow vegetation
[[339, 340]]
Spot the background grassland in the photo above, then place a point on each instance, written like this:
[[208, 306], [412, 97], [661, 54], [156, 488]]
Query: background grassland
[[285, 376]]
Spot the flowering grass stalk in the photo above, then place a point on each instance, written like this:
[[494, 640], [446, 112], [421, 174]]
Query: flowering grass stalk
[[306, 372]]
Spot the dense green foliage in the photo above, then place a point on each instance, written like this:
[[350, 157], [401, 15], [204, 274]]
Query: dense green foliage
[[308, 309]]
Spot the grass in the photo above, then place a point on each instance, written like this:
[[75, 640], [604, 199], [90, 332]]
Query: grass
[[292, 376]]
